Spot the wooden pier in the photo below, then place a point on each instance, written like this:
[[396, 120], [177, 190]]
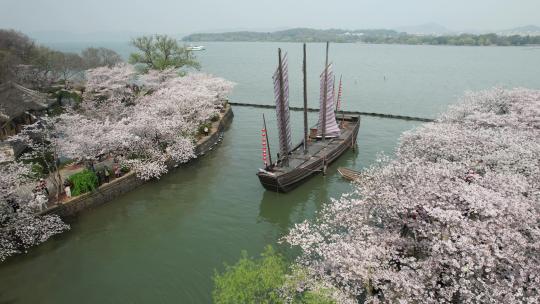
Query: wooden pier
[[382, 115]]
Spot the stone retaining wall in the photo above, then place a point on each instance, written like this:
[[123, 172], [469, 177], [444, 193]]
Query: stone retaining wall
[[128, 182]]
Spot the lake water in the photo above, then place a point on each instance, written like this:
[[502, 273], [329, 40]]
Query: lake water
[[162, 242]]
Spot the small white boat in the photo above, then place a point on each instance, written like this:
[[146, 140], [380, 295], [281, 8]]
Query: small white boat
[[349, 174], [195, 48]]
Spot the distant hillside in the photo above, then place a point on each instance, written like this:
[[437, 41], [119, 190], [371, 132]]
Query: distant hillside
[[294, 35], [426, 29], [531, 30], [379, 36]]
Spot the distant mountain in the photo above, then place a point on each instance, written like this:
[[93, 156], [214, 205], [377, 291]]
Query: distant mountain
[[530, 30], [426, 29]]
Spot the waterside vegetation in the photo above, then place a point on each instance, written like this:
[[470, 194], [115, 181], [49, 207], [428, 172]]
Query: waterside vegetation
[[267, 279], [138, 120], [453, 218], [161, 52]]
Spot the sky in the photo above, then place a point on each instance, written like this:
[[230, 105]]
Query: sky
[[184, 17]]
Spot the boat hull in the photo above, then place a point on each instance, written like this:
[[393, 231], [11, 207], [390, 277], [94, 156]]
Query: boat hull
[[349, 174], [287, 181]]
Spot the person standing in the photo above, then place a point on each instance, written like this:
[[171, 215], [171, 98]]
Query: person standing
[[67, 189], [107, 174], [117, 172], [100, 177], [43, 186]]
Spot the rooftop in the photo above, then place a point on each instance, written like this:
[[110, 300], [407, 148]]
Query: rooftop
[[16, 99]]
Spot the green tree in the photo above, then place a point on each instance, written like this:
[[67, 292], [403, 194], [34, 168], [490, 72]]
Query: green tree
[[161, 52], [251, 281], [268, 279]]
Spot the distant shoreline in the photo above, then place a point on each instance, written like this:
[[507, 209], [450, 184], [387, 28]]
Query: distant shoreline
[[365, 37], [362, 43]]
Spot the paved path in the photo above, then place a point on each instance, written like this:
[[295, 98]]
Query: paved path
[[65, 172]]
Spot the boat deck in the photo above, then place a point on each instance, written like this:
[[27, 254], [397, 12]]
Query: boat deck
[[317, 149]]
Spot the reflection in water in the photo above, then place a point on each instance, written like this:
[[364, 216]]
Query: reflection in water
[[277, 208]]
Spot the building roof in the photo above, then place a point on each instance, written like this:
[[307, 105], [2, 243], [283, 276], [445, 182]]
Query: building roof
[[16, 100]]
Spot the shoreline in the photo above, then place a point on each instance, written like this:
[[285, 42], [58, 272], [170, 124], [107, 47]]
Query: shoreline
[[130, 181], [359, 42]]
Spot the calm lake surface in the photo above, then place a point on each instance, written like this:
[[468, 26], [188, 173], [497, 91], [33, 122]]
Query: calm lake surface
[[162, 242]]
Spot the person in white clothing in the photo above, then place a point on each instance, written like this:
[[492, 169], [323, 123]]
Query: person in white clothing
[[67, 189]]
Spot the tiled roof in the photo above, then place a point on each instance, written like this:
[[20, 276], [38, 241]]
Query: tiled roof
[[16, 99]]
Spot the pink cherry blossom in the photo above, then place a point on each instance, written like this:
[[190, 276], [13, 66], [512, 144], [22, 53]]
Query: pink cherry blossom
[[453, 218], [20, 228], [147, 121]]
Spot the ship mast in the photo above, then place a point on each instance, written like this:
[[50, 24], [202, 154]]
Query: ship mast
[[305, 102], [282, 103]]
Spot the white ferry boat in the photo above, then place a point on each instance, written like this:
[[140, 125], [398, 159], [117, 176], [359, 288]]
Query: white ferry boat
[[195, 48]]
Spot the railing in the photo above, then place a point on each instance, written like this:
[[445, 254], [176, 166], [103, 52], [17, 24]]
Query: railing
[[382, 115]]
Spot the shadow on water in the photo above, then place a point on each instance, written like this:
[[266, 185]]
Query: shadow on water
[[277, 208], [286, 209]]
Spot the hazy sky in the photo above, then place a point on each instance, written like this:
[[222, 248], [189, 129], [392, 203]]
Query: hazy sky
[[183, 16]]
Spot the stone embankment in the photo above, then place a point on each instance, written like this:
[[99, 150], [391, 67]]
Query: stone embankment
[[130, 181]]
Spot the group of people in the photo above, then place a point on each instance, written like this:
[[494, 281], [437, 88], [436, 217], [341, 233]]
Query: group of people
[[41, 187], [104, 175], [41, 195]]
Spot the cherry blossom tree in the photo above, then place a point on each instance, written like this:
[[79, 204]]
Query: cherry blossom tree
[[117, 83], [40, 140], [20, 227], [147, 121], [453, 218]]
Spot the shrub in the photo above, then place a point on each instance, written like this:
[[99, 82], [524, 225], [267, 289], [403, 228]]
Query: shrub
[[64, 94], [205, 125], [84, 181]]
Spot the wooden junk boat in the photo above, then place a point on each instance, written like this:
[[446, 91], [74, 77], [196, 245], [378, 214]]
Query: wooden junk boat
[[325, 142]]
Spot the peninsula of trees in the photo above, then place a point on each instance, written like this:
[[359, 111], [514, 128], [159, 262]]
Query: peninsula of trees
[[375, 36], [139, 117]]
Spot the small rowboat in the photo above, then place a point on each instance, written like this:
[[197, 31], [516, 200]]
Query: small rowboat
[[349, 174]]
